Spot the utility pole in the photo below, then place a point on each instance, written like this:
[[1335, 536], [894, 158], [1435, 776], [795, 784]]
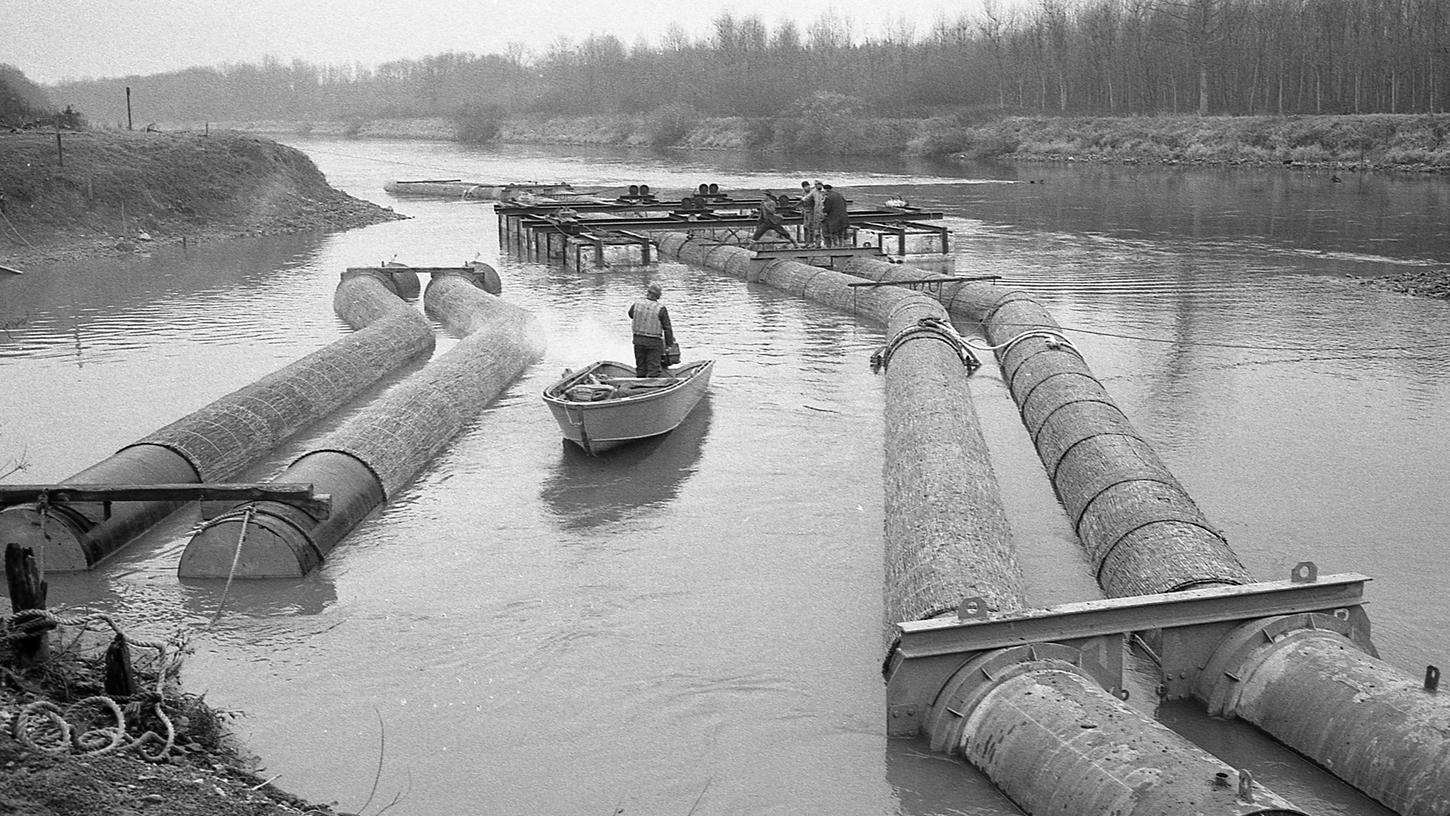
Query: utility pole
[[128, 107]]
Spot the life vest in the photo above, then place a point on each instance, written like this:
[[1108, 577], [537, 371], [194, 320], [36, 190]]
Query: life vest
[[647, 318]]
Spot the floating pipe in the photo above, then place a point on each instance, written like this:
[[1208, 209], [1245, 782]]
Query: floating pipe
[[936, 461], [1369, 723], [1306, 681], [947, 539], [1142, 531], [369, 459], [221, 439], [1055, 742]]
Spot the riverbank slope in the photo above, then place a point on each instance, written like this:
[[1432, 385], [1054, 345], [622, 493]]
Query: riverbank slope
[[99, 192]]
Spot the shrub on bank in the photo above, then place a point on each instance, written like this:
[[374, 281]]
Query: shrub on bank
[[478, 123], [669, 124]]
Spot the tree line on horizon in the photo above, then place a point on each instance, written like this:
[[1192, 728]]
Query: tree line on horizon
[[1056, 57]]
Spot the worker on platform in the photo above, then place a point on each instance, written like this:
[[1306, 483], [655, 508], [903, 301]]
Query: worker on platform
[[652, 333], [812, 203], [768, 220], [837, 224]]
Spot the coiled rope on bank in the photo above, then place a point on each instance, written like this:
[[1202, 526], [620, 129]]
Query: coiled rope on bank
[[44, 726]]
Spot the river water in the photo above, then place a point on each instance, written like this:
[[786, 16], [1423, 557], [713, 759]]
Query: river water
[[692, 626]]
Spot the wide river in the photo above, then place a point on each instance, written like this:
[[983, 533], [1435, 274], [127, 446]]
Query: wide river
[[693, 626]]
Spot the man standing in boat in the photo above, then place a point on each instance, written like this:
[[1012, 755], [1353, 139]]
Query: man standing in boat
[[652, 333]]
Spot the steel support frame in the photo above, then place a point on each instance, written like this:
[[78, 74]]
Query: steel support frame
[[1191, 625]]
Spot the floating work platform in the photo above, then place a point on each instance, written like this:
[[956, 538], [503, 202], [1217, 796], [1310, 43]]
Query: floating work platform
[[587, 232]]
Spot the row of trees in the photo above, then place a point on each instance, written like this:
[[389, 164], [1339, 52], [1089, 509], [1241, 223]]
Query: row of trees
[[21, 101], [1088, 57]]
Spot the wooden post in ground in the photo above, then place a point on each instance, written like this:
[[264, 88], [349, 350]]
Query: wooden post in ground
[[120, 679], [27, 591], [128, 107], [59, 150]]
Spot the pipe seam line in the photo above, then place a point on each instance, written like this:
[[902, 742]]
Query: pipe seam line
[[1077, 523], [1107, 552], [1035, 433], [1023, 399], [1011, 375], [1057, 466], [1011, 297]]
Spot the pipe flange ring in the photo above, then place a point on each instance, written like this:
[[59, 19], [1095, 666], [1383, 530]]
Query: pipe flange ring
[[1218, 684], [946, 719]]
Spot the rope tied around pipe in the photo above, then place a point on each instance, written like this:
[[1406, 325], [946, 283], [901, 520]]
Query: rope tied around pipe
[[934, 328], [29, 724], [1056, 340]]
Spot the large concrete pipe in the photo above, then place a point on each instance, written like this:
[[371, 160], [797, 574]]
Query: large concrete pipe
[[947, 540], [216, 442], [1306, 681], [370, 458], [1315, 688], [1052, 740]]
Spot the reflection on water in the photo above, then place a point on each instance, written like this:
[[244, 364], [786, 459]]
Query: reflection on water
[[694, 623], [591, 491]]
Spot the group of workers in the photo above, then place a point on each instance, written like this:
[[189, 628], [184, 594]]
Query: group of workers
[[823, 213]]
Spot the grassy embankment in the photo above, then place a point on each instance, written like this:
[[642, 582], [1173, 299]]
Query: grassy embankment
[[107, 190]]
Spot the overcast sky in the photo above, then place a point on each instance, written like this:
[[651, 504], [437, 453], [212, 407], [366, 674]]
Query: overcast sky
[[50, 40]]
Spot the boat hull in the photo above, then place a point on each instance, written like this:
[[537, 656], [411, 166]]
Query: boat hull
[[637, 410]]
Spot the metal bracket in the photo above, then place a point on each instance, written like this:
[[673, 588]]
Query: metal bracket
[[1190, 624], [927, 327]]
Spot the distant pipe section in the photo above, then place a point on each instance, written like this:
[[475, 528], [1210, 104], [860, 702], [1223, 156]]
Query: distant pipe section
[[370, 458], [1305, 680], [221, 439], [947, 542]]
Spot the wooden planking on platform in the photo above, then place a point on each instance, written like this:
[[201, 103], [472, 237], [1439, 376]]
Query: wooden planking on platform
[[301, 496]]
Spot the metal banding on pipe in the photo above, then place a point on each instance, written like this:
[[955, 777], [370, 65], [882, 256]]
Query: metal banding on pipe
[[366, 461], [1055, 742], [1308, 680], [221, 439]]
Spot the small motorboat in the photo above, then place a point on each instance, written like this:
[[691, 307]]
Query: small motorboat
[[604, 405]]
